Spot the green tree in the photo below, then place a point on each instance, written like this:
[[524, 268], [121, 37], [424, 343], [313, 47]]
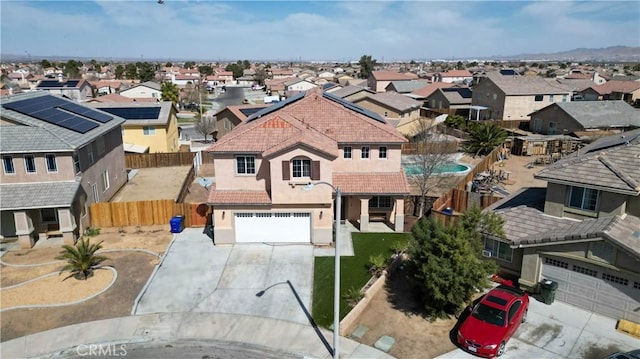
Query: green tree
[[82, 259], [72, 69], [205, 70], [636, 67], [189, 64], [246, 64], [484, 138], [459, 65], [170, 92], [261, 75], [119, 72], [237, 70], [146, 71], [168, 64], [45, 63], [367, 65], [444, 262], [131, 71]]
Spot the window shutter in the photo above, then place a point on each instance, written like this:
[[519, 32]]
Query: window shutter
[[315, 170], [285, 171]]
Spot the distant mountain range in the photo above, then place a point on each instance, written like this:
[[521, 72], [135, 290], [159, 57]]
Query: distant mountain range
[[614, 54], [607, 54]]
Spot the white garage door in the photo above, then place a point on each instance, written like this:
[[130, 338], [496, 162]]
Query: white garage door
[[594, 288], [273, 227]]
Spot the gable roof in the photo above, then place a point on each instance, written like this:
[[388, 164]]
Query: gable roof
[[60, 137], [614, 169], [350, 90], [38, 195], [456, 73], [241, 111], [150, 84], [525, 85], [394, 100], [596, 114], [406, 86], [385, 75], [427, 90], [616, 86], [456, 95]]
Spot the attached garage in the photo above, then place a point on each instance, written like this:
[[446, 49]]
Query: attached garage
[[594, 288], [272, 227]]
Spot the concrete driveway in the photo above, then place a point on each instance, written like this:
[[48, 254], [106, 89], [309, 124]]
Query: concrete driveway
[[196, 276], [560, 330]]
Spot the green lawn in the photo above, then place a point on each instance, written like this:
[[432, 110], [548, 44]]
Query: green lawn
[[353, 272]]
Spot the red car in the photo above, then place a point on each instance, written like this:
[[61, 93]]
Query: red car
[[492, 322]]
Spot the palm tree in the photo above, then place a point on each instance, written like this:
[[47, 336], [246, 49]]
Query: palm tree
[[484, 138], [170, 92], [81, 259]]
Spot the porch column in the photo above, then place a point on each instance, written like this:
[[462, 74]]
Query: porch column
[[67, 223], [24, 229], [364, 214], [399, 218]]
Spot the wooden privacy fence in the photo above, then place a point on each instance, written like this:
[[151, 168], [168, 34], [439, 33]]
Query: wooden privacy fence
[[150, 160], [147, 213]]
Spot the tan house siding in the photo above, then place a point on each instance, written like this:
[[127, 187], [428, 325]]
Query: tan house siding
[[64, 163], [388, 112]]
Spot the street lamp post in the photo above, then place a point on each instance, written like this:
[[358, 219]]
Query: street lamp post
[[336, 288]]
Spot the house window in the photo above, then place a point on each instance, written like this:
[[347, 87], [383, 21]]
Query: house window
[[550, 98], [49, 215], [495, 96], [386, 114], [76, 162], [382, 152], [227, 124], [603, 251], [105, 181], [582, 198], [364, 152], [380, 202], [7, 164], [564, 98], [30, 163], [100, 145], [245, 165], [498, 249], [154, 95], [301, 168], [90, 153], [539, 98], [346, 152], [52, 165], [148, 130]]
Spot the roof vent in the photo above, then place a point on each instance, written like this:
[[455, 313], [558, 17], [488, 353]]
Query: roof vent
[[636, 234]]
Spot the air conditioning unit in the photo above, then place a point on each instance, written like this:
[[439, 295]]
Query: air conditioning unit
[[486, 253]]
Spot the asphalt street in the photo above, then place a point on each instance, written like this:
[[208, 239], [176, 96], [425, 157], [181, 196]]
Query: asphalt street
[[233, 96]]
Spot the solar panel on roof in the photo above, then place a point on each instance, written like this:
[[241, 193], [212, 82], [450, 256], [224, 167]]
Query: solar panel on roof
[[276, 106], [250, 111], [133, 113], [353, 107], [86, 112], [50, 83], [44, 109], [72, 83]]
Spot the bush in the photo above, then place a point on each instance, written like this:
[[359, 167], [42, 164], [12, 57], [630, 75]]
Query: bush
[[377, 264], [92, 232], [353, 296]]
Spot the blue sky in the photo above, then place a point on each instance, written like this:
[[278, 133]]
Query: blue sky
[[308, 30]]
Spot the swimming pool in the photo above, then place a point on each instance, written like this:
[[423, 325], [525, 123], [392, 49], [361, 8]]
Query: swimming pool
[[447, 168]]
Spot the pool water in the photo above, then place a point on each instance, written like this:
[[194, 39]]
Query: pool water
[[448, 168]]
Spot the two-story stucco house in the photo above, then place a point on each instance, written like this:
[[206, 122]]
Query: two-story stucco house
[[391, 106], [379, 80], [58, 157], [78, 90], [148, 89], [231, 116], [581, 231], [262, 165], [149, 127], [515, 97]]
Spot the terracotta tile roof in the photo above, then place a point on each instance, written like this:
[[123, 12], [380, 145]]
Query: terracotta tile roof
[[238, 197], [224, 73], [426, 91], [616, 86], [391, 183], [456, 73], [187, 77], [385, 75]]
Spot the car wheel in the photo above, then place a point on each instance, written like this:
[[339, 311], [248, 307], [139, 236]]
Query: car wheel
[[501, 349], [524, 317]]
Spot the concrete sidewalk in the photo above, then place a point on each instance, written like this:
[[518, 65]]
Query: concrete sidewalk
[[161, 330]]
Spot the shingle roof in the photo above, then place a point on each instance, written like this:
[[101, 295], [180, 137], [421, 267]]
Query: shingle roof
[[457, 95], [37, 195], [72, 138], [238, 197], [385, 75], [407, 86], [427, 90], [392, 183], [456, 73], [14, 140], [597, 114], [526, 85], [350, 90], [394, 100], [615, 169], [616, 86]]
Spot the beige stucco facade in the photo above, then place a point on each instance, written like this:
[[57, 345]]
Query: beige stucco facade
[[389, 112], [141, 91]]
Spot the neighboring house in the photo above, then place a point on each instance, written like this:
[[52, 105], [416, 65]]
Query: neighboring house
[[454, 76], [78, 90], [276, 86], [391, 106], [231, 116], [299, 85], [264, 163], [147, 89], [281, 73], [352, 93], [405, 87], [452, 100], [149, 127], [379, 80], [582, 230], [628, 91], [184, 80], [58, 157], [582, 117], [225, 76], [106, 87], [326, 75], [515, 97], [114, 97], [423, 92]]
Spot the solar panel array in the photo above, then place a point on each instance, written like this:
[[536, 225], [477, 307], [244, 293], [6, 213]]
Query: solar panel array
[[134, 113], [50, 83], [276, 106], [250, 111], [59, 112], [353, 107], [72, 83]]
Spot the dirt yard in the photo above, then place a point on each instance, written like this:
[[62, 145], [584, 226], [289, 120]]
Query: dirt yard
[[133, 268], [153, 183]]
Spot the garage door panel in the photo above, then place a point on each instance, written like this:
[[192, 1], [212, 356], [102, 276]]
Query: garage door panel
[[613, 312], [580, 302], [558, 274], [582, 291], [273, 227]]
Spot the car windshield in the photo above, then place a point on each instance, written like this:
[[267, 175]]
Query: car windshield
[[489, 315]]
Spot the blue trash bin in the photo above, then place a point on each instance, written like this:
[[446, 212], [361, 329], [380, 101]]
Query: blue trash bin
[[177, 224]]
